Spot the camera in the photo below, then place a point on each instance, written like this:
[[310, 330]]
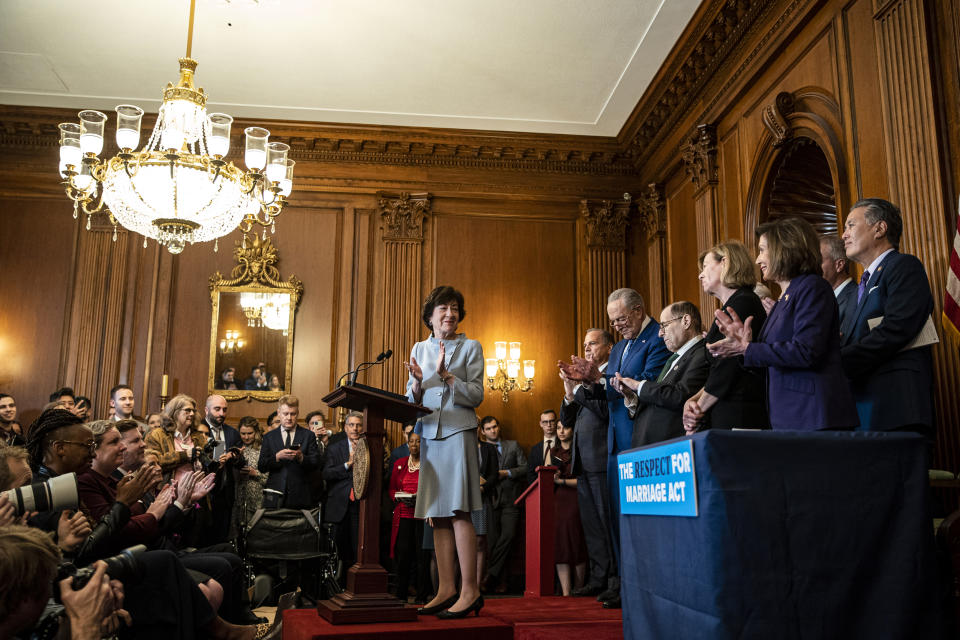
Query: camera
[[125, 567], [210, 446], [55, 494]]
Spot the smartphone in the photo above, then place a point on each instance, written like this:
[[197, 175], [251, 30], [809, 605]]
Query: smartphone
[[295, 447]]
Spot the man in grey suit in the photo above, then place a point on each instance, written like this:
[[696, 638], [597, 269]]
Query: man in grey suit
[[657, 406], [589, 418], [836, 271], [505, 516]]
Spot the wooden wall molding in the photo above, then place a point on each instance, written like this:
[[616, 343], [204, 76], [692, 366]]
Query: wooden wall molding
[[774, 116], [35, 128], [606, 222], [811, 112], [911, 137], [94, 347], [602, 248], [712, 36], [652, 206], [403, 216], [699, 154]]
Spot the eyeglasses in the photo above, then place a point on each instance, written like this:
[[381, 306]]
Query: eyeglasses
[[664, 325], [616, 322], [92, 446]]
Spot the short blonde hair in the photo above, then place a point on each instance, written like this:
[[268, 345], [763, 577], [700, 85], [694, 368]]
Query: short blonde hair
[[738, 270], [288, 400]]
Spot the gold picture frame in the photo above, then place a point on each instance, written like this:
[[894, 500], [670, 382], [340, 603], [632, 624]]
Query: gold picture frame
[[259, 310]]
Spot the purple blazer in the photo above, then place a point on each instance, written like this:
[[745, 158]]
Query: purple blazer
[[800, 347]]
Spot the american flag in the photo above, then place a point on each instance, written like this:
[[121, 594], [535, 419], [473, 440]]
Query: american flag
[[951, 300]]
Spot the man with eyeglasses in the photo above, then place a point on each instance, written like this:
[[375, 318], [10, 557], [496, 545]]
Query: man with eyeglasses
[[640, 355], [657, 406], [539, 453]]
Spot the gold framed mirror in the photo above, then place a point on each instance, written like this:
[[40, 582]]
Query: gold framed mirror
[[252, 325]]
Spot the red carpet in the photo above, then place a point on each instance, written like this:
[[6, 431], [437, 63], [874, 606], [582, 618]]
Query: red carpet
[[501, 619]]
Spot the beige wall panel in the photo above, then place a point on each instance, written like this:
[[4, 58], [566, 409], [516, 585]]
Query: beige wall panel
[[517, 278]]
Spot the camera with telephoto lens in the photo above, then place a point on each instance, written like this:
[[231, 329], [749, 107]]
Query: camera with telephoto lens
[[125, 567], [55, 494]]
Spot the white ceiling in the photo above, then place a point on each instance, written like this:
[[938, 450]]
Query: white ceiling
[[540, 66]]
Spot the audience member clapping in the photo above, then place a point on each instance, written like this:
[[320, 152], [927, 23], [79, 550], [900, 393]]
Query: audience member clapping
[[800, 342], [733, 395]]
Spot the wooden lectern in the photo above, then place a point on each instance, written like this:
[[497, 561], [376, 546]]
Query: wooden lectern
[[366, 598], [538, 501]]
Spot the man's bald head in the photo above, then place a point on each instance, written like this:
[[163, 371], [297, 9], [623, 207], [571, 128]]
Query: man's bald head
[[216, 410]]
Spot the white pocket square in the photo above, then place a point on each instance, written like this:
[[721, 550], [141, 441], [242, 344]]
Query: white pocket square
[[874, 287]]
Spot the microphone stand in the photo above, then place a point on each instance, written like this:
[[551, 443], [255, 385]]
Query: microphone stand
[[363, 366]]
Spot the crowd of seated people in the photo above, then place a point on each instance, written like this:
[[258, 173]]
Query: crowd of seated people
[[185, 483]]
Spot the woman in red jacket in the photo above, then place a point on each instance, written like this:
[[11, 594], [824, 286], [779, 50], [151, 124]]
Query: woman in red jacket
[[407, 533]]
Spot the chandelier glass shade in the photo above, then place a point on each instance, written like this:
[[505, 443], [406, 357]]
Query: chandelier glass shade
[[178, 189]]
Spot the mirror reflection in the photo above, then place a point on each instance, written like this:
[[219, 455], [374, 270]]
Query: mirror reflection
[[253, 327], [251, 332]]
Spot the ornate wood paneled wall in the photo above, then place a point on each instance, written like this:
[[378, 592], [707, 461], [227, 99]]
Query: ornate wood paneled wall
[[533, 228], [375, 222], [861, 79]]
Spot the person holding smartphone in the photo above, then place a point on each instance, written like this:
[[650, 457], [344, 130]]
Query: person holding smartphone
[[288, 454]]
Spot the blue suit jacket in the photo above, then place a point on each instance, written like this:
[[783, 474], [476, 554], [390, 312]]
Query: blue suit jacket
[[643, 362], [800, 346], [289, 477], [892, 388]]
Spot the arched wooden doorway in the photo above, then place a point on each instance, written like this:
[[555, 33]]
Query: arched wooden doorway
[[801, 186]]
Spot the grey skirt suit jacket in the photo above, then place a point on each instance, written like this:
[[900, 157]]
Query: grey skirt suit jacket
[[449, 469]]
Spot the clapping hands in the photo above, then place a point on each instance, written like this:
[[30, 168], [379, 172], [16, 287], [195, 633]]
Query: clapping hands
[[738, 334]]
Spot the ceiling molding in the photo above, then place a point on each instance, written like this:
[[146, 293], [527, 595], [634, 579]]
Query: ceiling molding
[[706, 54]]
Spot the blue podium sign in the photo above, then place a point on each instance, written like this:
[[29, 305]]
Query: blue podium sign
[[658, 480]]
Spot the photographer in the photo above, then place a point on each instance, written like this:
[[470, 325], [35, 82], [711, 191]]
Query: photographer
[[28, 564], [167, 603]]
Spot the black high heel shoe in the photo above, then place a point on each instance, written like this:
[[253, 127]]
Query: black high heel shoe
[[455, 615], [438, 608]]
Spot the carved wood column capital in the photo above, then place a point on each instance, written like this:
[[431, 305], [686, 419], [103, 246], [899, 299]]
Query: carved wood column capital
[[606, 222], [403, 214], [652, 207], [699, 155], [775, 116]]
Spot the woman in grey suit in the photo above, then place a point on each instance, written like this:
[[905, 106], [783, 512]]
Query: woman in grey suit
[[446, 375]]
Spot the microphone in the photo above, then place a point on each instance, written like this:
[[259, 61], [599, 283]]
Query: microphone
[[383, 356]]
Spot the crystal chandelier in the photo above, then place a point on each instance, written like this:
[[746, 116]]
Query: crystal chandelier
[[177, 189]]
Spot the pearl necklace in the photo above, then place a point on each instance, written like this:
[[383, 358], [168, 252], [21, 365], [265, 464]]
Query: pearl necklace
[[410, 466]]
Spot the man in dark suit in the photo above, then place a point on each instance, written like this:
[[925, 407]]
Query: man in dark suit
[[342, 508], [891, 385], [589, 418], [288, 454], [657, 405], [640, 355], [836, 271], [505, 515], [222, 495], [548, 423]]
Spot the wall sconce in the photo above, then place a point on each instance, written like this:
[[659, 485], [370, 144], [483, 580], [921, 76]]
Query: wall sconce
[[503, 373], [231, 343]]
